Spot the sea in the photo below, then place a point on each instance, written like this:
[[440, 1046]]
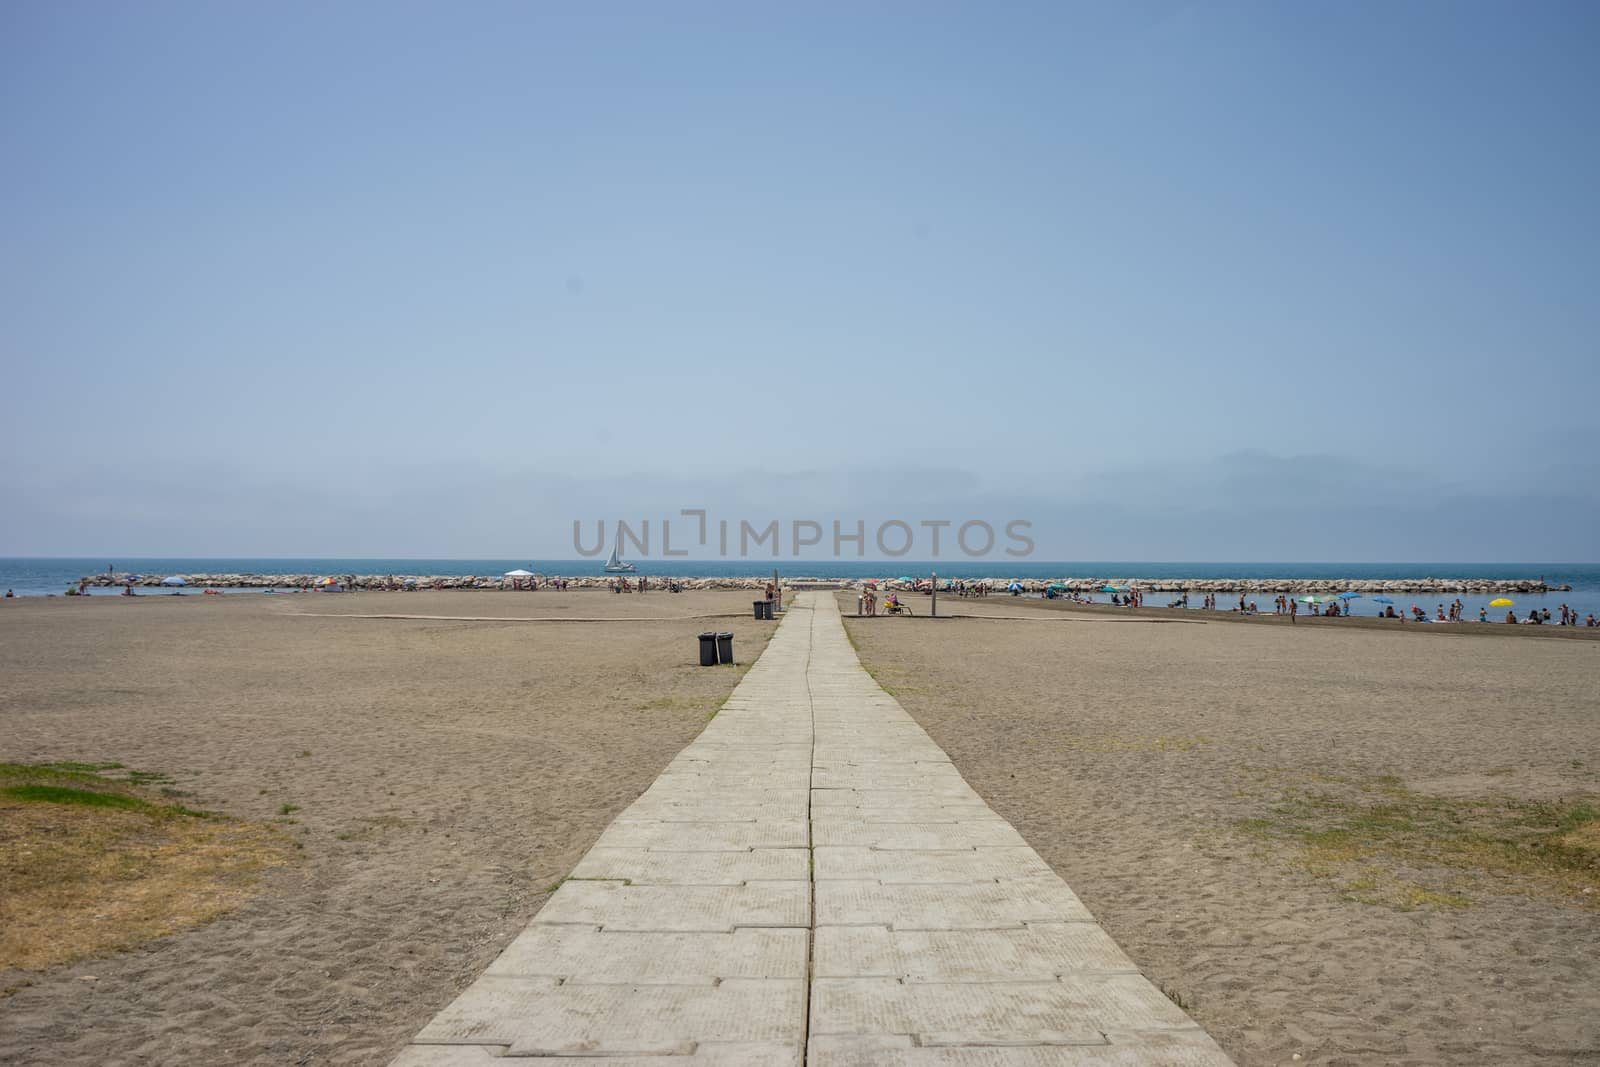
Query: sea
[[51, 576]]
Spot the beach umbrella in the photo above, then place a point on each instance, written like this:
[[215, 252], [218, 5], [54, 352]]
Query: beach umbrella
[[1349, 596], [409, 581], [1058, 585], [174, 579], [1309, 600], [519, 573], [329, 581], [1014, 587], [1502, 602], [907, 578], [1381, 600], [1109, 589]]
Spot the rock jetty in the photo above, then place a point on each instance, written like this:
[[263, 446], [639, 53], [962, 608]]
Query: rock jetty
[[1311, 586]]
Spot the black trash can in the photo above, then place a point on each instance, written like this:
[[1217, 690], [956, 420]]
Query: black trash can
[[724, 647], [761, 609], [708, 649], [766, 612]]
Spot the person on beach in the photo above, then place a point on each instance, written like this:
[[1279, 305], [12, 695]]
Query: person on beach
[[1294, 611], [1483, 614]]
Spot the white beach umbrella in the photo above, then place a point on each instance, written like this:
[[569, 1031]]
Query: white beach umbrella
[[519, 573], [174, 579]]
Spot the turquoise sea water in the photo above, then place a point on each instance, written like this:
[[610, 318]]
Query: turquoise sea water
[[43, 576]]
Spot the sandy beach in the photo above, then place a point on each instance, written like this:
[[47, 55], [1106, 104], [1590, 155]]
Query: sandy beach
[[1337, 839], [1323, 840], [441, 777]]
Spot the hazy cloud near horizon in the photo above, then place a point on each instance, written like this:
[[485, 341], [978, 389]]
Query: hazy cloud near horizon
[[1168, 280], [1244, 506]]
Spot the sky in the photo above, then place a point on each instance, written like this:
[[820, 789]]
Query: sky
[[1169, 281]]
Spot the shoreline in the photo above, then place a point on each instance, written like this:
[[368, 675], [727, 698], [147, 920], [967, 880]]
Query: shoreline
[[1156, 613]]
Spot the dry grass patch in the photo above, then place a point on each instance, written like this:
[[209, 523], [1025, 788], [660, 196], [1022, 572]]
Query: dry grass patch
[[91, 864], [1388, 845]]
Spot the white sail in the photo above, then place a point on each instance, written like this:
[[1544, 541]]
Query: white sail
[[614, 565]]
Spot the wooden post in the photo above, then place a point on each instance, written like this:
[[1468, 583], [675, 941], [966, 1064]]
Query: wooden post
[[935, 594], [777, 593]]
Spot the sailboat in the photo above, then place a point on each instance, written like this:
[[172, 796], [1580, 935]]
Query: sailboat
[[614, 565]]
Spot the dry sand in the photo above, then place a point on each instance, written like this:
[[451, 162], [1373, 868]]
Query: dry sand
[[446, 775], [1155, 767]]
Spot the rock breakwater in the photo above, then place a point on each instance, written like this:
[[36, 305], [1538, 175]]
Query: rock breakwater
[[1311, 586]]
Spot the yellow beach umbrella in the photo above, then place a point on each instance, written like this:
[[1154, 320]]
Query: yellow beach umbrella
[[1501, 602]]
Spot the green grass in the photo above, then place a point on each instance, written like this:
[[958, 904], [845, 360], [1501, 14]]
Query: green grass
[[59, 794], [1384, 844], [85, 785], [56, 771], [149, 777]]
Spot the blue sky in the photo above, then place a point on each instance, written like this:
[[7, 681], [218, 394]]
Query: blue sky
[[1173, 281]]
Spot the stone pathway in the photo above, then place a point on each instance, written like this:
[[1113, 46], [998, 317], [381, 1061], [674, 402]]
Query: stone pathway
[[812, 881]]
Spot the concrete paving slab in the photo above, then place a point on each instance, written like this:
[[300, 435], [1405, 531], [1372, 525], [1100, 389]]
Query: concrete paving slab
[[703, 810], [618, 906], [1038, 952], [706, 836], [919, 836], [955, 793], [742, 1054], [589, 955], [1172, 1049], [741, 778], [952, 865], [531, 1018], [866, 778], [957, 906], [924, 813], [689, 788], [644, 867], [1067, 1011]]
